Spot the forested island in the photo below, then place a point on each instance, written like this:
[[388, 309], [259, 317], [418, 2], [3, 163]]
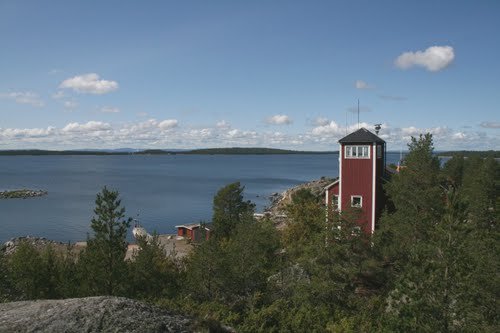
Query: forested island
[[219, 151], [207, 151], [472, 153], [431, 265]]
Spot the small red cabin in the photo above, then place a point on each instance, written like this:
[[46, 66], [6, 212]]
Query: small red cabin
[[359, 186], [195, 231]]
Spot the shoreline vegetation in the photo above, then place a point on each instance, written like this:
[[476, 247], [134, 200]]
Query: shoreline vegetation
[[22, 194]]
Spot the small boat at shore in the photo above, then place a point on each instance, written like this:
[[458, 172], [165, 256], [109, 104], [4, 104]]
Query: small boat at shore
[[140, 232]]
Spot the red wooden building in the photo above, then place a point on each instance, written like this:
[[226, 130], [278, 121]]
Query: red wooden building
[[194, 232], [361, 170]]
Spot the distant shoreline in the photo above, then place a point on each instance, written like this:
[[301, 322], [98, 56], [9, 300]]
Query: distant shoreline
[[208, 151], [214, 151]]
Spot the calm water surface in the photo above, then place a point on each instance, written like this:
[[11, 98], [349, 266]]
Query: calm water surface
[[164, 190]]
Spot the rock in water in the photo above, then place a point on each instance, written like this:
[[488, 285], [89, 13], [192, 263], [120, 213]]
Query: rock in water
[[90, 314]]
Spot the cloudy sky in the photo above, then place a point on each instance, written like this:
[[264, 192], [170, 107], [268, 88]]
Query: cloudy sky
[[284, 74]]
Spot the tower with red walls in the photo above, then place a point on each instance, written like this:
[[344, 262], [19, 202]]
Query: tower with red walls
[[359, 186]]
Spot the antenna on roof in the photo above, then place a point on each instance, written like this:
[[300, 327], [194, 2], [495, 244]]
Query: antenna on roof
[[377, 128], [358, 113], [346, 122]]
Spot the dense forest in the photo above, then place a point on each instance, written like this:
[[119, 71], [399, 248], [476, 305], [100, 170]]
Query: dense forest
[[431, 266]]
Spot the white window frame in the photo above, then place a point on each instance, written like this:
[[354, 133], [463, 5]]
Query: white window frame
[[360, 201], [335, 202], [357, 151]]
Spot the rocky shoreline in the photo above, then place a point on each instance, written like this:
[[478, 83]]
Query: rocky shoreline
[[22, 194], [39, 243], [276, 211]]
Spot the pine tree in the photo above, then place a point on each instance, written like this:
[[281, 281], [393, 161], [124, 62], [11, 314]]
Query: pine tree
[[229, 210], [25, 265], [103, 266], [153, 274], [6, 288]]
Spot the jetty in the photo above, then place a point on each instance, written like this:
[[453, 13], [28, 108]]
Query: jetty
[[22, 194]]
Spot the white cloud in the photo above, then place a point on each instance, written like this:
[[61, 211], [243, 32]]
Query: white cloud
[[156, 134], [279, 119], [222, 124], [168, 124], [89, 83], [434, 59], [459, 136], [26, 132], [360, 84], [91, 126], [332, 129], [26, 97], [70, 105], [490, 124], [110, 109], [320, 121]]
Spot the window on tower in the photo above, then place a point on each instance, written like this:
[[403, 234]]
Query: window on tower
[[356, 201], [335, 202], [357, 151]]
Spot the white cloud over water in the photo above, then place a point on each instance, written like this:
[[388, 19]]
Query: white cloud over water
[[91, 126], [167, 133], [490, 124], [279, 119], [89, 83], [23, 97], [360, 84], [434, 58]]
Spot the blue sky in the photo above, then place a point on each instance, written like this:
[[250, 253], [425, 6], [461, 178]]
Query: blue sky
[[284, 74]]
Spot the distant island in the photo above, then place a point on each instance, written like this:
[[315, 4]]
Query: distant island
[[21, 194], [471, 153], [216, 151], [207, 151]]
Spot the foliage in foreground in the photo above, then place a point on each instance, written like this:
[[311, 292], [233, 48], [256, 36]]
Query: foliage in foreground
[[432, 266]]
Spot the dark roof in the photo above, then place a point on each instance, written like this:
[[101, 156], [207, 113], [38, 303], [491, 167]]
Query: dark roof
[[361, 136]]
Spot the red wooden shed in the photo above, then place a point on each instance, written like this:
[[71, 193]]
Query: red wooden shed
[[195, 231]]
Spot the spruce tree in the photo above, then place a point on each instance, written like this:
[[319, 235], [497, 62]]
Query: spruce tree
[[103, 261]]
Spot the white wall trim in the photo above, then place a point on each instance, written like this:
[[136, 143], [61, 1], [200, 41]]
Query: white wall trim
[[374, 176]]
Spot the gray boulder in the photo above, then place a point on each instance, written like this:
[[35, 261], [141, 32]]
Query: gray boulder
[[91, 314]]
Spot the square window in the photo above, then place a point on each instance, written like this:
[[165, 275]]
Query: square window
[[365, 151], [348, 151], [356, 201]]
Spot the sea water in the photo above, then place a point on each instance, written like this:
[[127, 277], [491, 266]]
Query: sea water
[[160, 190]]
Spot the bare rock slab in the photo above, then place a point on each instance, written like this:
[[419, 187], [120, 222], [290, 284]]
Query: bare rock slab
[[90, 314]]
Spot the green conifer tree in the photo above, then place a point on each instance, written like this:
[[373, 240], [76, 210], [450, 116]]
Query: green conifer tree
[[229, 210], [103, 268]]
